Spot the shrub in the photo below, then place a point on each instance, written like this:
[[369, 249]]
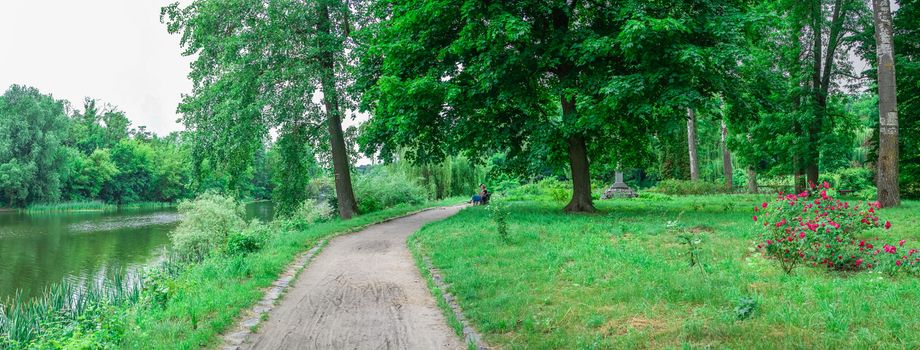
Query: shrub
[[310, 212], [207, 223], [817, 229], [684, 187], [378, 189], [499, 213], [247, 241], [855, 179]]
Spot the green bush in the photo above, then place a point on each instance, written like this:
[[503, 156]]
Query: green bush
[[684, 187], [207, 223], [854, 179], [308, 213], [247, 241], [379, 189]]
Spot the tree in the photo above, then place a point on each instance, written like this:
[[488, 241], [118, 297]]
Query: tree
[[32, 127], [262, 66], [727, 170], [575, 81], [691, 145], [887, 176], [14, 179], [907, 41]]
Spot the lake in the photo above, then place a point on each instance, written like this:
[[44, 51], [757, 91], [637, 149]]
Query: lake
[[40, 249]]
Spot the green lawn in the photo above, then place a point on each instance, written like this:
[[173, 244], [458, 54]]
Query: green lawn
[[620, 279]]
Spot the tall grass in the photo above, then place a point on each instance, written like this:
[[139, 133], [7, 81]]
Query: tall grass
[[23, 319], [92, 206]]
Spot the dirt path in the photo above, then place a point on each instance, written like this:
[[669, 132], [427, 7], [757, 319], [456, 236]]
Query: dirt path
[[362, 292]]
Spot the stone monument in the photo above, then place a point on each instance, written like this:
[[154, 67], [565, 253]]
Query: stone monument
[[619, 189]]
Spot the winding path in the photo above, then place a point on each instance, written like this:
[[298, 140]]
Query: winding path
[[363, 291]]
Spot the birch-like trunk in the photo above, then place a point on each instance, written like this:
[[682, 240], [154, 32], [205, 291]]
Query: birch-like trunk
[[887, 177], [727, 169], [691, 145]]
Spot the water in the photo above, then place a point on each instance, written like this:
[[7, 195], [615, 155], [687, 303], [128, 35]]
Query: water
[[39, 249]]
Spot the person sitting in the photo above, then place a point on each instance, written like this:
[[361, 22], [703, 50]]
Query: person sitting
[[478, 198]]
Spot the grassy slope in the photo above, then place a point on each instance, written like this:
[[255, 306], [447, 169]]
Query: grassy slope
[[618, 279], [208, 297]]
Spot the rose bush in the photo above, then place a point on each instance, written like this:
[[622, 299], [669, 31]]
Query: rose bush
[[813, 228]]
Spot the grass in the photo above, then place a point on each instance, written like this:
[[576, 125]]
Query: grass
[[207, 298], [23, 320], [93, 206], [621, 279]]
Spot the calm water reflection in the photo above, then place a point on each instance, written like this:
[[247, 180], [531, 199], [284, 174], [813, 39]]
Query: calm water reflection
[[39, 249]]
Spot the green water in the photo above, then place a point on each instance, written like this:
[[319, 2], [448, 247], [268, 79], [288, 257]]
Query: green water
[[39, 249]]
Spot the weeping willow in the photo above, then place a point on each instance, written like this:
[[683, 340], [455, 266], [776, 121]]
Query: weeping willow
[[455, 176]]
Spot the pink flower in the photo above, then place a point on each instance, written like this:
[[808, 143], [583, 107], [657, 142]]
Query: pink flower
[[755, 218], [826, 185], [898, 262], [769, 242], [901, 243], [887, 225], [802, 235], [764, 205]]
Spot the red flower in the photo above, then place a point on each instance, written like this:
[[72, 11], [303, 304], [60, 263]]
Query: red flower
[[858, 261], [764, 204], [802, 235], [887, 225], [755, 217], [826, 185], [898, 262], [901, 243]]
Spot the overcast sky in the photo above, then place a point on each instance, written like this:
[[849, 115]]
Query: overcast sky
[[113, 50]]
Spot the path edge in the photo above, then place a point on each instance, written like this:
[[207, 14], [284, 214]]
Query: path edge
[[251, 318], [446, 301]]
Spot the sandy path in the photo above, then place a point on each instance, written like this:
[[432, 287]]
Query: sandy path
[[362, 292]]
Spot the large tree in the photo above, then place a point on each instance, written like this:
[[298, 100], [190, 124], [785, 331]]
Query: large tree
[[887, 176], [32, 128], [262, 66], [576, 81]]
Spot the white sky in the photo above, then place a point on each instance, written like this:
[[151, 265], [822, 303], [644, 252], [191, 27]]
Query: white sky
[[116, 51]]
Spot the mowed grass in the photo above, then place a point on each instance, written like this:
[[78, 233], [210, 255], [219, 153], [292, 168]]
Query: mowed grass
[[620, 279], [207, 298]]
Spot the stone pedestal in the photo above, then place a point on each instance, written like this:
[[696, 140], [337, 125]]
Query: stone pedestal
[[619, 189]]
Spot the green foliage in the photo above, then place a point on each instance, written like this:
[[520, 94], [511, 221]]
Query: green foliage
[[454, 176], [683, 187], [381, 188], [293, 164], [32, 129], [310, 212], [906, 36], [499, 213], [82, 316], [745, 308], [208, 221], [249, 240]]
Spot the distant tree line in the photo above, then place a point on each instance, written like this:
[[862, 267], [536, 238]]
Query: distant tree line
[[52, 152]]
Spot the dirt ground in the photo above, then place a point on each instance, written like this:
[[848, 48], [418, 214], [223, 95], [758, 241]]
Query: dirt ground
[[363, 291]]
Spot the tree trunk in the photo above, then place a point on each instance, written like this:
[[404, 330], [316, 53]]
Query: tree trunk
[[887, 177], [345, 195], [691, 145], [752, 180], [578, 161], [727, 169]]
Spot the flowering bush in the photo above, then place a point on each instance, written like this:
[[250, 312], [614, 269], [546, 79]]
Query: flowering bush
[[816, 229]]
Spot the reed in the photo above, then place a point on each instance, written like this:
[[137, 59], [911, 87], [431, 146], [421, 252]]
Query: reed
[[23, 319], [93, 206]]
